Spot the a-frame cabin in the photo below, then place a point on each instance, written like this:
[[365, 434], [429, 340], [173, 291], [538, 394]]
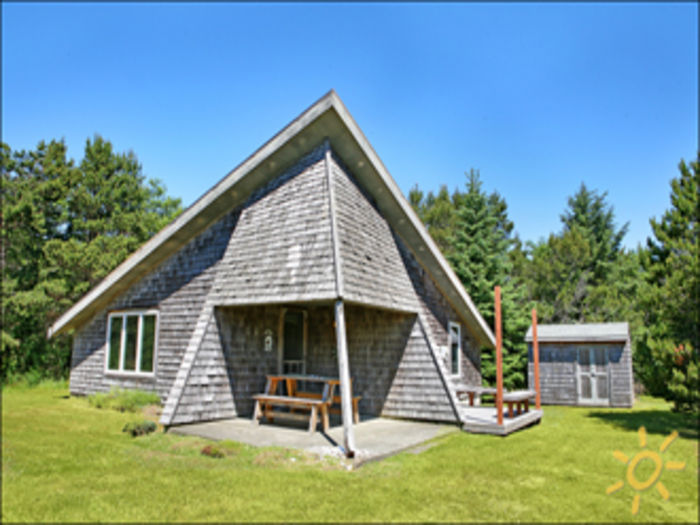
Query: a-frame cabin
[[306, 258]]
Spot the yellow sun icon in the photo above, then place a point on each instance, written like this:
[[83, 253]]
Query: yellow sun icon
[[642, 455]]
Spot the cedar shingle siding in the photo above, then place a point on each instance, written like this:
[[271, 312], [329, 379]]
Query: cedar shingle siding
[[277, 249], [560, 372], [221, 292]]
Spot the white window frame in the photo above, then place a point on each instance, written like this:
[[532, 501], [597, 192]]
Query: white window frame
[[450, 326], [122, 343]]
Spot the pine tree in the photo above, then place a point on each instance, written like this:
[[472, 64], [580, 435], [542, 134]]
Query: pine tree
[[574, 274], [480, 259], [674, 254], [669, 356], [595, 219], [64, 228], [438, 213]]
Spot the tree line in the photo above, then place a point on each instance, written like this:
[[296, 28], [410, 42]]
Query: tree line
[[65, 225], [582, 274]]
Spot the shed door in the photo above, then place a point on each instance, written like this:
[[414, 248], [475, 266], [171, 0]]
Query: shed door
[[593, 376]]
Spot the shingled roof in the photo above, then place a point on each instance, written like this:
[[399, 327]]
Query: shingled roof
[[327, 119], [583, 333]]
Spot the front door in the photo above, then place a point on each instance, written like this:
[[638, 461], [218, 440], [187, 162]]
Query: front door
[[593, 376], [294, 342]]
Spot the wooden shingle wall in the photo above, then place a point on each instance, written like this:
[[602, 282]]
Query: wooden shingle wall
[[558, 383], [391, 366], [219, 294], [207, 393], [378, 269], [559, 373], [281, 247], [438, 312], [418, 391], [177, 288], [180, 286], [242, 331], [371, 266]]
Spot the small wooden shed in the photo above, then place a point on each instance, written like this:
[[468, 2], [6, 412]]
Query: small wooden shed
[[584, 364]]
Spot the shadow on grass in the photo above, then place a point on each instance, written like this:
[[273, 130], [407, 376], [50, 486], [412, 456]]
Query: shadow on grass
[[655, 421]]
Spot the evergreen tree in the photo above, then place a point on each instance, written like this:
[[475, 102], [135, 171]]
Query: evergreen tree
[[64, 228], [480, 259], [34, 184], [674, 254], [559, 276], [480, 247], [668, 356], [595, 219], [438, 213], [574, 275]]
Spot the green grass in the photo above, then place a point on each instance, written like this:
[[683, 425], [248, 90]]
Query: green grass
[[124, 400], [64, 460]]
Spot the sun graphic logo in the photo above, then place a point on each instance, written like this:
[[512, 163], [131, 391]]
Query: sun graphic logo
[[639, 458]]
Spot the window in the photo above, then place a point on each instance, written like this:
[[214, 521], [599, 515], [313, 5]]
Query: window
[[455, 349], [131, 342]]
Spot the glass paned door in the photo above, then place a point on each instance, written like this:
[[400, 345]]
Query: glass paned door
[[294, 341], [593, 376]]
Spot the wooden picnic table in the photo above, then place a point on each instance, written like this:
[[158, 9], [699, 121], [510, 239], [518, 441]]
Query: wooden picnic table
[[472, 390], [519, 398], [317, 403]]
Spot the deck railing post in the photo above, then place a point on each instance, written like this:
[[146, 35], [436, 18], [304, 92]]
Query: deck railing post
[[536, 358], [499, 357], [344, 377]]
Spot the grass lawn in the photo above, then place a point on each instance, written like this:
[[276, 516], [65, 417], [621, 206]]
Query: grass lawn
[[63, 460]]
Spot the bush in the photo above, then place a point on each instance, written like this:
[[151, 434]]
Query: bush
[[124, 400], [140, 428]]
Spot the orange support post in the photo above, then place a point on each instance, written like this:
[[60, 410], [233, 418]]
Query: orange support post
[[499, 357], [536, 358]]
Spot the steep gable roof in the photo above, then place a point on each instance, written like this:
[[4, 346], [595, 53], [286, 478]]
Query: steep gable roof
[[327, 119]]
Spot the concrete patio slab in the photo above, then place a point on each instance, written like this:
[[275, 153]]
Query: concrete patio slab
[[375, 438]]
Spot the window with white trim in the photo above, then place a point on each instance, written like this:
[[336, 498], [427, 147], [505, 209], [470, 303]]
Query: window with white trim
[[455, 348], [131, 342]]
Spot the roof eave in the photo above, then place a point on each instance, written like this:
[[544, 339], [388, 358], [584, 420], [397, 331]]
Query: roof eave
[[563, 340]]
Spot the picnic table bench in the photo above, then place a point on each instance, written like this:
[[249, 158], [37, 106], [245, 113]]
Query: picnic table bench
[[317, 403], [519, 398]]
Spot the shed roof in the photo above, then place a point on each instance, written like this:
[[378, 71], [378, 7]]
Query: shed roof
[[329, 119], [588, 332]]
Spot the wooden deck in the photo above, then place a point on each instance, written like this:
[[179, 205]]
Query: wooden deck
[[483, 420]]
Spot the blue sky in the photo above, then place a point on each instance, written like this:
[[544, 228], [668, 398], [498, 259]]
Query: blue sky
[[538, 97]]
